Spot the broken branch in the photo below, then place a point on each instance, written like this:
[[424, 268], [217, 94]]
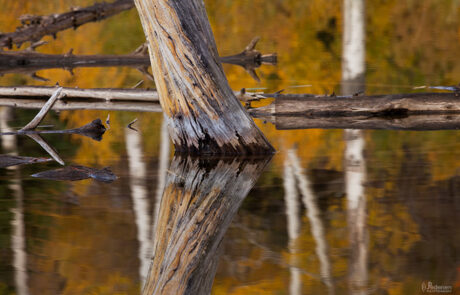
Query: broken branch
[[45, 109]]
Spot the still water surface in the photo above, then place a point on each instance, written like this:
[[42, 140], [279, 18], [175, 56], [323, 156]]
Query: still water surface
[[334, 211]]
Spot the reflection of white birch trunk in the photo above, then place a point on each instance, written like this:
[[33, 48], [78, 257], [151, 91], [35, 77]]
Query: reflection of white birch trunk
[[293, 226], [316, 223], [18, 240], [162, 169], [138, 172], [353, 71], [355, 175]]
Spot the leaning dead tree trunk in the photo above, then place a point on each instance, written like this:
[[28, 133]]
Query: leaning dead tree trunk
[[204, 116]]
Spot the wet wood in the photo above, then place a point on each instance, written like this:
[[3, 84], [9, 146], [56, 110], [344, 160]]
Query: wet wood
[[94, 130], [108, 94], [377, 105], [36, 27], [203, 114], [28, 62], [412, 122], [10, 160], [250, 59], [201, 197], [77, 172]]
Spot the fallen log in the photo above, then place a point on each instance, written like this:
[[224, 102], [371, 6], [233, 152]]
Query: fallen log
[[78, 172], [94, 130], [27, 61], [107, 94], [200, 198], [36, 27], [203, 114], [376, 105], [70, 105], [412, 122], [11, 160]]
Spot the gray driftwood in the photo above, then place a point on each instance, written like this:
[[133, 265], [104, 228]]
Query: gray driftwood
[[200, 198], [44, 110], [376, 105], [412, 122], [203, 114], [69, 105], [36, 27], [108, 94]]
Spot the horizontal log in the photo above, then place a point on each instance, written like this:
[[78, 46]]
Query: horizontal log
[[377, 105], [108, 94], [413, 122], [27, 61], [36, 27], [69, 105]]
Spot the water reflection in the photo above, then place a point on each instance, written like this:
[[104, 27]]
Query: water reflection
[[200, 198]]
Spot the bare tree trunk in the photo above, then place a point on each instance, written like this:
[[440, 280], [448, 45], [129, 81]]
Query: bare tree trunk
[[353, 72], [204, 116]]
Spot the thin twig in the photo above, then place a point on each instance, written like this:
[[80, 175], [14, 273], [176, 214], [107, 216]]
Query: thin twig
[[45, 109], [130, 125]]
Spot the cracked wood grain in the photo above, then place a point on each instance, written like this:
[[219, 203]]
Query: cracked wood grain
[[203, 114]]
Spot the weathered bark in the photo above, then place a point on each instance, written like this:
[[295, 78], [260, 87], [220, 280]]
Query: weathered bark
[[201, 197], [108, 94], [204, 116], [36, 27], [376, 105]]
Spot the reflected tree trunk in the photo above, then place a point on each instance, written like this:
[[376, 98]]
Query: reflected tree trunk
[[18, 239], [355, 175], [201, 197], [137, 177], [313, 214], [162, 169], [293, 226], [353, 72]]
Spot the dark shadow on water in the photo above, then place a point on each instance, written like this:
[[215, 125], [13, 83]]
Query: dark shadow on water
[[200, 199]]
